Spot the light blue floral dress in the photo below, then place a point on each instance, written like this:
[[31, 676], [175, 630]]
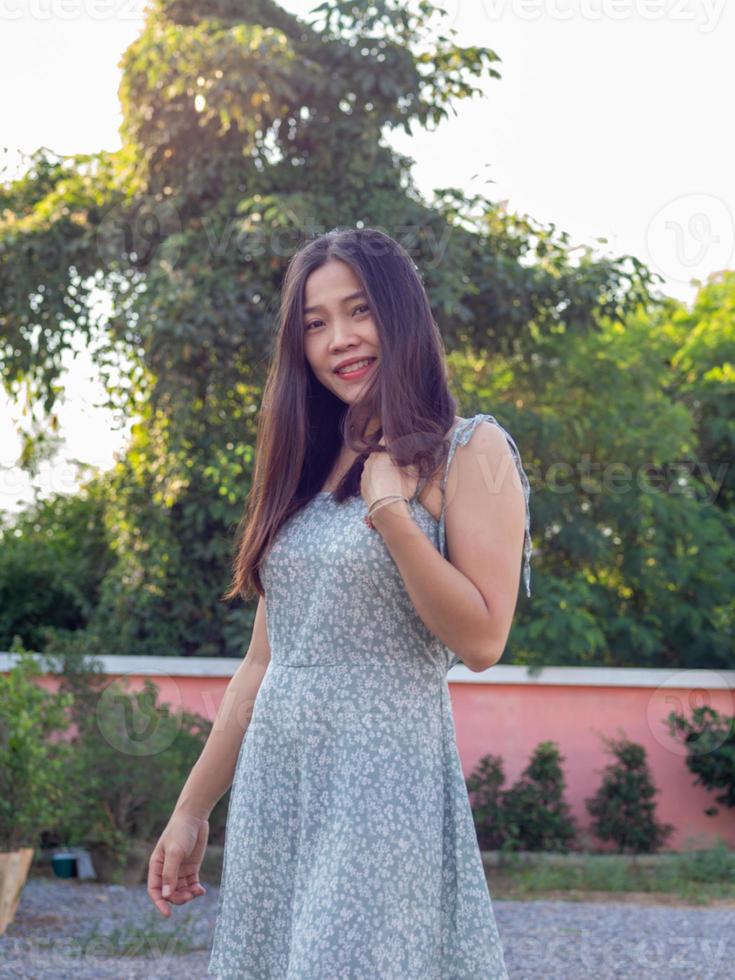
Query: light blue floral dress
[[350, 850]]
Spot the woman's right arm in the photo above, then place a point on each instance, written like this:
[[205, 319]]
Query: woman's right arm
[[214, 770], [177, 857]]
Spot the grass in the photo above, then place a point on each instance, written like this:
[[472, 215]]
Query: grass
[[148, 939], [702, 877]]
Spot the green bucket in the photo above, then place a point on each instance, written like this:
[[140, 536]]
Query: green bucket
[[64, 865]]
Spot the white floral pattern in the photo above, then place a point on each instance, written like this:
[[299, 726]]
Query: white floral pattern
[[350, 850]]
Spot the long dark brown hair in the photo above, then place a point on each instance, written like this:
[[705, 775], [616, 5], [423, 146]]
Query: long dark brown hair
[[302, 425]]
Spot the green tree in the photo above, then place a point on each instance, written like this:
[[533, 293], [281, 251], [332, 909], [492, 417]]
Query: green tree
[[34, 757], [485, 788], [241, 131], [536, 816], [623, 808], [637, 566], [704, 380], [53, 557], [709, 738]]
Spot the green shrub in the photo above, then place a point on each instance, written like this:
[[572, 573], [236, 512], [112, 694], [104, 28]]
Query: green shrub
[[131, 757], [53, 556], [115, 773], [710, 741], [536, 816], [484, 787], [532, 814], [34, 768], [623, 808]]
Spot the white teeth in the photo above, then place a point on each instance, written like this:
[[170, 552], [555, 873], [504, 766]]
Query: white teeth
[[355, 367]]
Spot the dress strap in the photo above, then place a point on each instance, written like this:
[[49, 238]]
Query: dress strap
[[460, 437]]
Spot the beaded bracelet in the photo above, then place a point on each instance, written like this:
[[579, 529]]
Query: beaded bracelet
[[381, 502]]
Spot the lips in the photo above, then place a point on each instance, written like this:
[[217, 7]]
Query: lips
[[352, 365]]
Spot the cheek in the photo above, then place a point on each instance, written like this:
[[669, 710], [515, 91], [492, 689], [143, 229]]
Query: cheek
[[374, 339], [317, 359], [311, 351]]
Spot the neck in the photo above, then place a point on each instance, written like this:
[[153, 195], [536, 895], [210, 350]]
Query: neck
[[372, 426]]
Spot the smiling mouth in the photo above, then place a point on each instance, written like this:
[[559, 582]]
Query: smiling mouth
[[358, 370]]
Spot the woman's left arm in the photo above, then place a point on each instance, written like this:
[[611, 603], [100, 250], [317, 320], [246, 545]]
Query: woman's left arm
[[468, 602]]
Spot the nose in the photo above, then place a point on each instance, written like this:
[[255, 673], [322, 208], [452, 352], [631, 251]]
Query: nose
[[343, 334]]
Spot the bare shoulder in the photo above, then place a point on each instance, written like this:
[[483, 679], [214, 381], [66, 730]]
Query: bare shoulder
[[485, 458], [485, 514], [487, 436]]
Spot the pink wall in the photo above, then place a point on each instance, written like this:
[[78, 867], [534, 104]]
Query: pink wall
[[510, 720], [506, 712]]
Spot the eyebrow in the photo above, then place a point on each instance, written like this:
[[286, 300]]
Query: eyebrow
[[360, 294]]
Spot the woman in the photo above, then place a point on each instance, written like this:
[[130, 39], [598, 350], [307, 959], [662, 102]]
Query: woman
[[383, 553]]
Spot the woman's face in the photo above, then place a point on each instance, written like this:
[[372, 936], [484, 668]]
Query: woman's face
[[338, 327]]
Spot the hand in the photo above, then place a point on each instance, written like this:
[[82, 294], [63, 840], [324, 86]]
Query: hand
[[381, 476], [175, 862]]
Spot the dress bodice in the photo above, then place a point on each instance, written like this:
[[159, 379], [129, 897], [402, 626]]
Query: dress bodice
[[334, 594]]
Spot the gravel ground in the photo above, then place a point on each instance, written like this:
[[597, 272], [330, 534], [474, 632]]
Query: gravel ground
[[78, 929]]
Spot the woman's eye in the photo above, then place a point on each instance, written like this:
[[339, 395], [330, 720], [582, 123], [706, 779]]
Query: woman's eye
[[362, 306]]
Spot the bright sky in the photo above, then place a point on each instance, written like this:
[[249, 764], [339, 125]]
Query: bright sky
[[610, 120]]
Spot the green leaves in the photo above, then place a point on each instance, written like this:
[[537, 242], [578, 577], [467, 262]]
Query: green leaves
[[532, 814], [244, 131], [709, 738], [623, 809], [33, 759]]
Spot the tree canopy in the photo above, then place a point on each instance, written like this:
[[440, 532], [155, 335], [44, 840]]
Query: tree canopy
[[246, 132]]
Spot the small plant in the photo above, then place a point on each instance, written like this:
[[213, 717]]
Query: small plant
[[623, 809], [699, 877], [130, 757], [710, 741], [33, 765], [485, 789], [146, 939], [535, 815], [712, 864], [130, 760]]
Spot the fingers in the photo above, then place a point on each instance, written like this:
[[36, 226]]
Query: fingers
[[182, 894], [170, 875], [155, 866], [173, 880], [194, 885], [155, 888], [166, 886], [186, 891], [187, 888]]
